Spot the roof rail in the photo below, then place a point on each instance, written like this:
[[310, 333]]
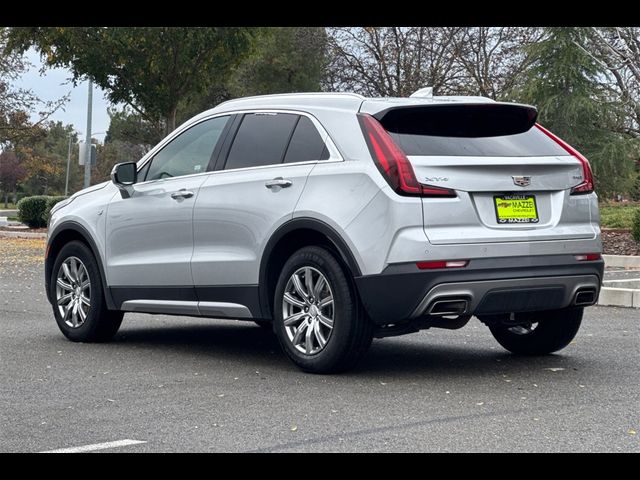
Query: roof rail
[[297, 94]]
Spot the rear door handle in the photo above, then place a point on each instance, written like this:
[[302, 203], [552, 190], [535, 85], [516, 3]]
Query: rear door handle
[[278, 182], [182, 193]]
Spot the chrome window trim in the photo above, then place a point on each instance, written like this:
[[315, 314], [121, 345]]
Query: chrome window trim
[[334, 153]]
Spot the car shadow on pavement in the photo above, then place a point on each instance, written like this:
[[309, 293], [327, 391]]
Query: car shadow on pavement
[[427, 358], [226, 341], [245, 342]]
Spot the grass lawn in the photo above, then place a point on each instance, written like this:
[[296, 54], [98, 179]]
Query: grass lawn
[[617, 215], [10, 206]]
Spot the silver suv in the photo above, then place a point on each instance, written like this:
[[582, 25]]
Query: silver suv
[[333, 219]]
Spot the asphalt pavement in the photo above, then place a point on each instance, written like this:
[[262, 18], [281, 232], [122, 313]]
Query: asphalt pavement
[[188, 384]]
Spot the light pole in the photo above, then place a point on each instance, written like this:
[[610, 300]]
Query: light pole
[[66, 182], [87, 158]]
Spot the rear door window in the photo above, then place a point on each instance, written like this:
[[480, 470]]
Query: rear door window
[[261, 140]]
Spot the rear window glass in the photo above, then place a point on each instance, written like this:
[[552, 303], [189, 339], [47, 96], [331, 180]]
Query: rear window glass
[[306, 144], [532, 143]]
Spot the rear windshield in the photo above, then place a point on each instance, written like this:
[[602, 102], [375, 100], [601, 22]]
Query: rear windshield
[[491, 129], [532, 143]]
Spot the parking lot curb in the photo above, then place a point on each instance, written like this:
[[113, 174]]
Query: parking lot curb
[[622, 261], [619, 297]]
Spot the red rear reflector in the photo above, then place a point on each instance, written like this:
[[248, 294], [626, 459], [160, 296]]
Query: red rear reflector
[[588, 257], [394, 164], [587, 184], [442, 264]]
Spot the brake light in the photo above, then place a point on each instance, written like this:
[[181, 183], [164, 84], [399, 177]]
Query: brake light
[[394, 164], [588, 257], [442, 264], [587, 184]]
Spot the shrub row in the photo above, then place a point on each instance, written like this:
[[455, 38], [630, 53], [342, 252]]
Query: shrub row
[[35, 211]]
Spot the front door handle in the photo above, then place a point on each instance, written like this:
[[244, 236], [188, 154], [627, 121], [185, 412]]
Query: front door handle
[[182, 193], [278, 182]]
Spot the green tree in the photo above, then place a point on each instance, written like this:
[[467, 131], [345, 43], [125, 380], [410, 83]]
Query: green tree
[[634, 192], [18, 105], [151, 69], [45, 159], [283, 60], [286, 59], [570, 89], [131, 127]]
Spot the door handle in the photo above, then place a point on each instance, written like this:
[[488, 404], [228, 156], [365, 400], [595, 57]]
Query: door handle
[[182, 193], [278, 182]]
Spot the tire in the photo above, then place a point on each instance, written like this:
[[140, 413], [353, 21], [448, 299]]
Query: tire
[[553, 331], [351, 333], [99, 323]]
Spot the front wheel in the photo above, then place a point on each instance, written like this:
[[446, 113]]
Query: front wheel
[[539, 333], [79, 305], [318, 317]]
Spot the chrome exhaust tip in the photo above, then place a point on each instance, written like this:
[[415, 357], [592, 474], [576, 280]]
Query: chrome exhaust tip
[[450, 306], [585, 296]]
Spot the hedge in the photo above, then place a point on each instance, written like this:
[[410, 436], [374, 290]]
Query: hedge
[[635, 228], [34, 211]]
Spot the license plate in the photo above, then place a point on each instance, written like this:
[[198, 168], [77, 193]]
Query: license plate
[[516, 208]]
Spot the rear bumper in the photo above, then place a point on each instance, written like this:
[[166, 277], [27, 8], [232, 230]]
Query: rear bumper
[[488, 285]]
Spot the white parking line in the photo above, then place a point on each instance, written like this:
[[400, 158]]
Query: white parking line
[[96, 446]]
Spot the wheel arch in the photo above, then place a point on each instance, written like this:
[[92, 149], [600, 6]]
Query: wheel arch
[[288, 238], [64, 233]]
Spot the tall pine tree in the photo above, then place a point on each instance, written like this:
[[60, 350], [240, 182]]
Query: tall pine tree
[[570, 89]]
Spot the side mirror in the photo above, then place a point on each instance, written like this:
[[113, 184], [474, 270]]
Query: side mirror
[[124, 176]]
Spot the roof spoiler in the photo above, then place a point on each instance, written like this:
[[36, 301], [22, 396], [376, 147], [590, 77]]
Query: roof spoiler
[[459, 119]]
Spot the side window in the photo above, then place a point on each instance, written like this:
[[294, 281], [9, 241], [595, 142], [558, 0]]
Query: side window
[[261, 140], [306, 144], [142, 173], [188, 153]]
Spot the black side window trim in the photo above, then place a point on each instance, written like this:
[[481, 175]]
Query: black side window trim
[[221, 150], [221, 161], [293, 130]]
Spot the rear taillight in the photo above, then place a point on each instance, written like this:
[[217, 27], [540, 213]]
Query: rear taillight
[[588, 257], [393, 163], [434, 264], [587, 184]]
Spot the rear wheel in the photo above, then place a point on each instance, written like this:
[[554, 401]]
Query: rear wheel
[[318, 318], [79, 305], [538, 333]]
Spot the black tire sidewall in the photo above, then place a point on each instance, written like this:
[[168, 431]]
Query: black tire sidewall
[[88, 329], [555, 330], [329, 357]]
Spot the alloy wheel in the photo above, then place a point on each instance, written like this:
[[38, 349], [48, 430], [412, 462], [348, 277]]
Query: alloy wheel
[[308, 310], [73, 292]]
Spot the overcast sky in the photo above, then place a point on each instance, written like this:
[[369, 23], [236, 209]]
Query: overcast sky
[[54, 84]]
